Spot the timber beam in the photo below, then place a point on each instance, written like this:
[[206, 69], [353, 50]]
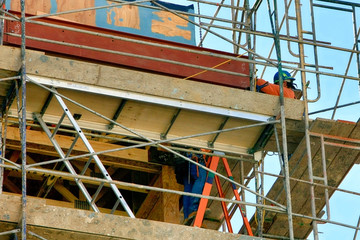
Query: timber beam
[[37, 142], [147, 84], [48, 222]]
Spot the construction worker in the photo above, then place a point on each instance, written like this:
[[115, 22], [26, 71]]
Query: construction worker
[[274, 89]]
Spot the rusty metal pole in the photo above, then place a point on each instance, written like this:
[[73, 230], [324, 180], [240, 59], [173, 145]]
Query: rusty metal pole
[[22, 123]]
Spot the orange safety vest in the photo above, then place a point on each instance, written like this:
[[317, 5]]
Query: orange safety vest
[[274, 89]]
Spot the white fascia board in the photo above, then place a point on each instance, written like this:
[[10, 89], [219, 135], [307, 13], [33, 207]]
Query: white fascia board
[[150, 99]]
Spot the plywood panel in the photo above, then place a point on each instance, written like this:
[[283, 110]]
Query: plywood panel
[[170, 25], [32, 6], [191, 122], [40, 7], [148, 117], [124, 16], [246, 137], [85, 17]]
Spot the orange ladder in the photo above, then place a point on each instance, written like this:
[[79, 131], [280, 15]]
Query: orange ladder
[[214, 161]]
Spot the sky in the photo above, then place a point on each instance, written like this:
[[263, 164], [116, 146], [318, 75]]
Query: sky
[[335, 28]]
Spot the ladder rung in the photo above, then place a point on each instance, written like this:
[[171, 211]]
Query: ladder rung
[[319, 178], [115, 206], [291, 18], [97, 192], [308, 32]]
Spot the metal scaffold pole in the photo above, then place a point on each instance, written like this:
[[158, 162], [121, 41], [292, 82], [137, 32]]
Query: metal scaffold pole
[[249, 44], [306, 118], [259, 185], [2, 3], [275, 29], [22, 123]]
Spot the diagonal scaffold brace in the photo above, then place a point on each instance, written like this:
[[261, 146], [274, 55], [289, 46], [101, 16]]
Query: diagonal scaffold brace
[[95, 158]]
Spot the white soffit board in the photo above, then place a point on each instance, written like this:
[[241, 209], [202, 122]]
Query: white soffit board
[[149, 99]]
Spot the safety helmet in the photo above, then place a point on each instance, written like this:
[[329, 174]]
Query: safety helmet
[[285, 75]]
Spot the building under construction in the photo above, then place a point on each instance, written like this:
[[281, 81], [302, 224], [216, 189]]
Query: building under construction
[[103, 103]]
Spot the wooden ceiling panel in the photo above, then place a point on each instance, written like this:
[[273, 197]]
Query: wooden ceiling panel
[[145, 116], [191, 122], [246, 137], [147, 119]]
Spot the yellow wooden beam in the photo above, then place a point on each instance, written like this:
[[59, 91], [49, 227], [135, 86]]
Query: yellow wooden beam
[[38, 142], [37, 137], [65, 192]]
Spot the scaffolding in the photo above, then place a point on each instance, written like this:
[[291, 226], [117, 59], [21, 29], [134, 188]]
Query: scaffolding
[[236, 26]]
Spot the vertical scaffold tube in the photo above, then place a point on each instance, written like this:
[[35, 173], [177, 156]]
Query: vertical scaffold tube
[[306, 115], [2, 4], [23, 122], [275, 29]]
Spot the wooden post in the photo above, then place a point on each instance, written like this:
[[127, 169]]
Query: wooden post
[[162, 206], [170, 202]]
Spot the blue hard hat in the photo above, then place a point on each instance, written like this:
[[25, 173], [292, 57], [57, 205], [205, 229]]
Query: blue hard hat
[[285, 75]]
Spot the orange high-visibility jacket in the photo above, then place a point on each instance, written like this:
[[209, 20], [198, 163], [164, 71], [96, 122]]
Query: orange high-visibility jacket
[[274, 89]]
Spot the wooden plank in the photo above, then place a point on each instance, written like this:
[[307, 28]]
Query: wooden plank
[[300, 192], [38, 176], [57, 203], [79, 222], [297, 166], [303, 190], [139, 82], [106, 160], [30, 175], [65, 192], [295, 130], [11, 186], [150, 201], [344, 158], [170, 201], [65, 142], [162, 206], [339, 162], [299, 170], [51, 233]]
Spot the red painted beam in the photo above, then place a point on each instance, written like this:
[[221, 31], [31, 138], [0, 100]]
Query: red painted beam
[[107, 43]]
